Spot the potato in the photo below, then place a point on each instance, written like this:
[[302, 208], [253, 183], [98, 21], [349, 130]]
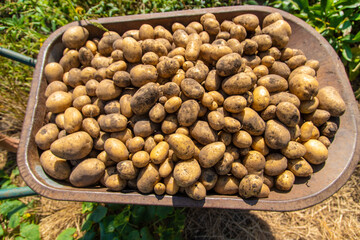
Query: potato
[[208, 178], [148, 177], [54, 166], [331, 101], [304, 86], [254, 162], [46, 136], [101, 62], [288, 114], [166, 168], [115, 183], [131, 49], [309, 106], [276, 163], [249, 21], [316, 152], [191, 88], [223, 166], [182, 146], [285, 181], [105, 158], [81, 101], [159, 188], [171, 187], [294, 150], [263, 41], [218, 97], [227, 185], [277, 136], [264, 191], [280, 68], [269, 113], [228, 64], [170, 124], [55, 86], [235, 104], [300, 167], [72, 120], [127, 170], [279, 31], [318, 117], [211, 154], [122, 79], [271, 18], [144, 98], [267, 61], [116, 150], [75, 37], [87, 173], [188, 113], [144, 128], [157, 113], [150, 58], [216, 120], [251, 121], [196, 191], [114, 122], [296, 61], [242, 139], [58, 102], [142, 74], [273, 83], [277, 98], [258, 144], [173, 104], [146, 31], [324, 140], [73, 146], [107, 90], [198, 72], [329, 129], [69, 60], [212, 26], [213, 81], [159, 153], [135, 144], [53, 72], [100, 140], [150, 45], [261, 98], [140, 159], [186, 172], [250, 186]]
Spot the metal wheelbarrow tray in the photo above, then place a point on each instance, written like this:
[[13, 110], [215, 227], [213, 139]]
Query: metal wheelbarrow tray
[[326, 180]]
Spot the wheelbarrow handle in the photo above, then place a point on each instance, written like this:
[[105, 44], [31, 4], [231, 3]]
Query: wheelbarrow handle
[[16, 192], [17, 57]]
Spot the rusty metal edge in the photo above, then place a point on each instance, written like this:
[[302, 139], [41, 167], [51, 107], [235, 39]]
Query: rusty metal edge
[[179, 201]]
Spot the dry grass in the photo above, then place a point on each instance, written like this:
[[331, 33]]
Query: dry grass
[[336, 218]]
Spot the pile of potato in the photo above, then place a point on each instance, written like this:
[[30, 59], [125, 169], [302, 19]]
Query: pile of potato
[[221, 108]]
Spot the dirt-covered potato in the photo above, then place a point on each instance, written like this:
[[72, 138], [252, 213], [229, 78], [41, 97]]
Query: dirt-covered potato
[[147, 178], [228, 64], [249, 21], [239, 83], [196, 191], [72, 120], [300, 167], [46, 136], [208, 178], [87, 173], [144, 98], [273, 83], [211, 154], [75, 37], [131, 49], [114, 122], [304, 86], [140, 159], [203, 133], [53, 72], [135, 144], [250, 186], [186, 172], [294, 150], [127, 170], [288, 114], [54, 166], [279, 31], [55, 86], [318, 117], [277, 136], [251, 121], [235, 104], [188, 113], [276, 163], [254, 162], [182, 145], [159, 153], [242, 139], [115, 183], [223, 166], [258, 144], [58, 101], [261, 98], [191, 88], [285, 181], [227, 185], [331, 101], [143, 74], [279, 97], [116, 150], [73, 146]]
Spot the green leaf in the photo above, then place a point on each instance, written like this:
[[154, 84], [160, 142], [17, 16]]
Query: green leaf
[[87, 207], [134, 235], [98, 214], [67, 234], [145, 234], [30, 231], [138, 214], [89, 236], [326, 5], [303, 4], [20, 238], [150, 213], [1, 231], [346, 52], [10, 207], [14, 221], [357, 37], [86, 225], [163, 212]]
